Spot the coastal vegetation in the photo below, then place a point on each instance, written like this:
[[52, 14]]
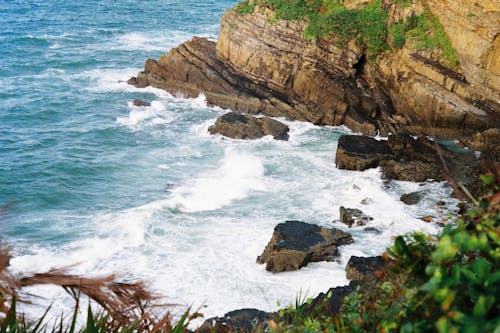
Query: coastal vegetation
[[448, 282], [368, 25]]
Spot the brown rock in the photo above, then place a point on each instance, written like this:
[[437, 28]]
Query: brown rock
[[353, 216], [238, 126], [140, 102], [294, 244], [428, 218], [259, 66], [402, 157], [364, 269]]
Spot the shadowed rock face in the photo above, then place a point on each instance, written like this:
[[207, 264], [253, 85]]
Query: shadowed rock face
[[402, 157], [238, 126], [294, 244], [261, 67]]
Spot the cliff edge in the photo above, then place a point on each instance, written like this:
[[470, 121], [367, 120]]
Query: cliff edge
[[313, 68]]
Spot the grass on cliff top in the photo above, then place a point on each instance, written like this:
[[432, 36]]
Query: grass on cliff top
[[368, 25]]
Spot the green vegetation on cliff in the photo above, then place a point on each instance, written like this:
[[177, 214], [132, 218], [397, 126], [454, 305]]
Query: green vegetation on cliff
[[368, 24]]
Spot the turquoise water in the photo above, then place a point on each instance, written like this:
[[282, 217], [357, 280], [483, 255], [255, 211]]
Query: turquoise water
[[87, 178]]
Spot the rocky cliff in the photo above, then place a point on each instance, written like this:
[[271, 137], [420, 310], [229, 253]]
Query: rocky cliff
[[260, 64]]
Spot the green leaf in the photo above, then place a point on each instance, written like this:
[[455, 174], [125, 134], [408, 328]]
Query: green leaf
[[483, 305], [487, 179], [482, 268]]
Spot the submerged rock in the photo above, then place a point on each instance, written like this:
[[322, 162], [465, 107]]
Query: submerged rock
[[239, 126], [294, 244], [372, 230], [353, 216], [412, 198]]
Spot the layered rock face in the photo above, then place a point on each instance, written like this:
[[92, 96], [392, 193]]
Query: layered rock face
[[260, 66]]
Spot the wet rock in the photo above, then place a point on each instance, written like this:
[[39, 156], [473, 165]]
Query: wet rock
[[364, 269], [401, 157], [412, 198], [244, 320], [428, 218], [441, 203], [353, 216], [140, 102], [238, 126], [294, 244], [356, 152], [372, 230]]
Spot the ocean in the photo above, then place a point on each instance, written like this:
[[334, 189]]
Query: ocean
[[91, 182]]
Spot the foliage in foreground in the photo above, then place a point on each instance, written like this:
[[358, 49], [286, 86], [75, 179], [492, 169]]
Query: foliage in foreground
[[123, 307], [446, 283], [368, 25]]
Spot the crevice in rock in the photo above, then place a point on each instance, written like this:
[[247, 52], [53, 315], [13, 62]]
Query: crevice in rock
[[360, 66]]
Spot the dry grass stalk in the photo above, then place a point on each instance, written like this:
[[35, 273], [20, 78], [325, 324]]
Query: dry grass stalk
[[123, 304]]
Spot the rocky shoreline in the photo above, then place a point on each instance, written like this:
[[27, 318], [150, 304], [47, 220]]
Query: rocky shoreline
[[260, 66]]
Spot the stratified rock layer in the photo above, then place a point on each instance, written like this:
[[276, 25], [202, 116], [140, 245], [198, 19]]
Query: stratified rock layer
[[294, 244], [259, 66]]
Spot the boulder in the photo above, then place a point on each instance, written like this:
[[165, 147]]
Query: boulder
[[238, 126], [411, 198], [364, 269], [244, 320], [355, 152], [294, 244], [402, 157], [353, 216], [140, 102]]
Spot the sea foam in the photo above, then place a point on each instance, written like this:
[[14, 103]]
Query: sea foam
[[237, 176]]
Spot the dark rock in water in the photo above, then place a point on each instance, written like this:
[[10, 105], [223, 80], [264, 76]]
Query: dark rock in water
[[238, 126], [244, 320], [140, 102], [294, 244], [440, 203], [354, 216], [401, 157], [428, 218], [356, 152], [372, 230], [411, 198], [364, 269]]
